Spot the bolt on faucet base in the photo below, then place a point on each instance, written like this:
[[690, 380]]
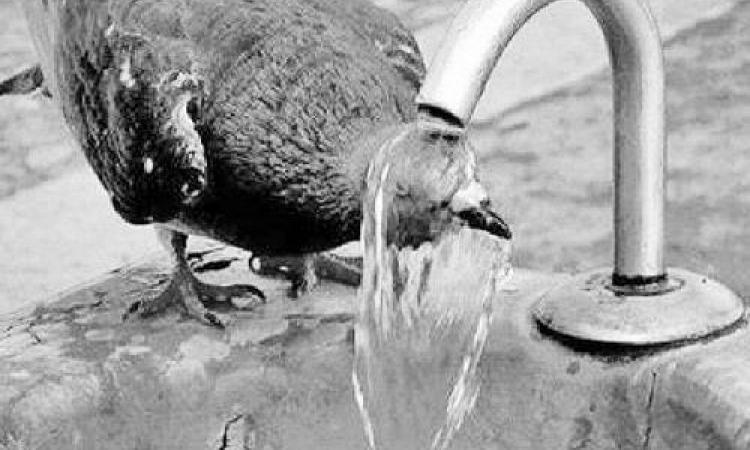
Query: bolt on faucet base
[[684, 307]]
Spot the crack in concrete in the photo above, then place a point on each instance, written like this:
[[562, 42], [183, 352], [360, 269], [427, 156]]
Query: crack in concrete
[[37, 339], [737, 438], [8, 330], [649, 412], [225, 443]]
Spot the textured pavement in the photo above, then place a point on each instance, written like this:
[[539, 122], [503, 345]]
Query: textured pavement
[[57, 229]]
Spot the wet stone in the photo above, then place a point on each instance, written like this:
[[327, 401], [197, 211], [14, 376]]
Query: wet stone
[[262, 330], [100, 335], [280, 377]]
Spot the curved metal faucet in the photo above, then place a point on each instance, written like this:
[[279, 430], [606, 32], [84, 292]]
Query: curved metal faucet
[[482, 31], [478, 37]]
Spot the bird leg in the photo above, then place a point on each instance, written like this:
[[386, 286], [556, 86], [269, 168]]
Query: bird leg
[[189, 293], [305, 271], [300, 270], [304, 279]]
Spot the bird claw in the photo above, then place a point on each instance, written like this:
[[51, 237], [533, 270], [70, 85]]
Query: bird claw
[[344, 270], [300, 270], [306, 271], [240, 296], [194, 298]]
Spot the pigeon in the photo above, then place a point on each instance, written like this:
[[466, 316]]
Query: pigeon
[[430, 180], [239, 120], [435, 255]]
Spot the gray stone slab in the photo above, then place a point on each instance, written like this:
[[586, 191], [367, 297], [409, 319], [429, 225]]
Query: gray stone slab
[[73, 375]]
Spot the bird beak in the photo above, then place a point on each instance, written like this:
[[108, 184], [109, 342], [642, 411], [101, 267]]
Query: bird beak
[[472, 205]]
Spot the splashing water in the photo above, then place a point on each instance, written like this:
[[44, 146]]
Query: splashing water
[[423, 318]]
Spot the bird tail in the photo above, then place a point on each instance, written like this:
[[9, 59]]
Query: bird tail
[[24, 82]]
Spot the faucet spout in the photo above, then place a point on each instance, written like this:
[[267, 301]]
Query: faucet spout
[[480, 34]]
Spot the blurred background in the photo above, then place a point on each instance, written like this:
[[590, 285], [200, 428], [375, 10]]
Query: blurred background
[[542, 130]]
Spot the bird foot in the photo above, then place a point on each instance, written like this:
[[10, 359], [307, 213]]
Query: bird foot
[[194, 298], [341, 269], [300, 270], [305, 272]]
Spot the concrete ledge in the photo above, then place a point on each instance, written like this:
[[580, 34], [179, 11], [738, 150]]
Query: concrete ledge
[[701, 395], [74, 376]]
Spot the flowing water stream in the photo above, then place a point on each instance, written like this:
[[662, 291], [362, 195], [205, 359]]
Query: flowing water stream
[[423, 318]]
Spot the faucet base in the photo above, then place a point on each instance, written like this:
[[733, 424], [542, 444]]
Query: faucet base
[[682, 307]]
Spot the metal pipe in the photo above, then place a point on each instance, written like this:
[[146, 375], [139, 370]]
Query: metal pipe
[[480, 34]]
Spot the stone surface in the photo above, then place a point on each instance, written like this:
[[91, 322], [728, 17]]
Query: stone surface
[[73, 375], [700, 395]]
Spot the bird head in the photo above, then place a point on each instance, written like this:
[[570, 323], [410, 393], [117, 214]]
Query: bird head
[[423, 180], [153, 164], [434, 254]]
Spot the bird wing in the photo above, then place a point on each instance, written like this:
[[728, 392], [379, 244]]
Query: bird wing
[[291, 82], [384, 31]]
